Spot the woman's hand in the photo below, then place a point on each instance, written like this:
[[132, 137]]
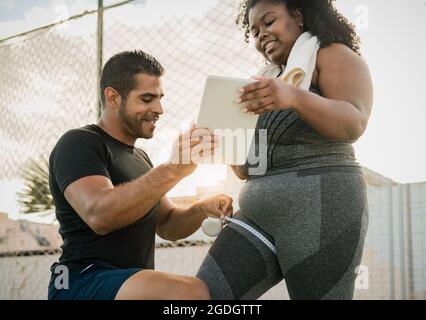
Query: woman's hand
[[267, 94], [217, 206]]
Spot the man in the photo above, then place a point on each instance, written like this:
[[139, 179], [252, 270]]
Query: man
[[110, 201]]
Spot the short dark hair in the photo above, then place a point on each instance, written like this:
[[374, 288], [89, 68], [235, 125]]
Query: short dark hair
[[120, 70]]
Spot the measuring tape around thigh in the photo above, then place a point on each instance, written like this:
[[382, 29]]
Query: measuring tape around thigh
[[256, 233]]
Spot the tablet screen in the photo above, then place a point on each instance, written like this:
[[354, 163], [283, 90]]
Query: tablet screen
[[219, 113]]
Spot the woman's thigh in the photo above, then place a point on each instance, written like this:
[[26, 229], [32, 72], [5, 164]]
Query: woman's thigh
[[238, 265], [322, 262]]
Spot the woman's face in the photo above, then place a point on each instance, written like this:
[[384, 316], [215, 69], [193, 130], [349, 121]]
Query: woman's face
[[274, 30]]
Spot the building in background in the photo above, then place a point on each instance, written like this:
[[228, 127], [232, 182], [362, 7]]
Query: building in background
[[25, 238]]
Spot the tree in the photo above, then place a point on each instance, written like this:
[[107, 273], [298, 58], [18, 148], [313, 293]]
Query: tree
[[36, 196]]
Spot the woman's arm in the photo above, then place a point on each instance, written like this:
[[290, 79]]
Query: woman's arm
[[345, 82]]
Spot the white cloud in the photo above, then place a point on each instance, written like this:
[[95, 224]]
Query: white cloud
[[33, 18], [158, 12], [60, 10], [8, 4], [181, 8], [38, 17]]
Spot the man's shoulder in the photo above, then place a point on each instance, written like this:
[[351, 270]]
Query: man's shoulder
[[81, 135], [77, 140]]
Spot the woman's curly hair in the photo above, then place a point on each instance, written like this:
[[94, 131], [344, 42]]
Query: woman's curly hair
[[320, 18]]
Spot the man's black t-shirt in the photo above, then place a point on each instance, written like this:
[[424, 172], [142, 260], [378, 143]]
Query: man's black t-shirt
[[90, 151]]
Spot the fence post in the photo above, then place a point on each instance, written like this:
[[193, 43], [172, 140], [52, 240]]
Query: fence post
[[410, 253], [391, 249], [99, 34], [402, 241]]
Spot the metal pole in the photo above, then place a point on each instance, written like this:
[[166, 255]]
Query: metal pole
[[410, 262], [100, 32], [391, 249], [402, 242]]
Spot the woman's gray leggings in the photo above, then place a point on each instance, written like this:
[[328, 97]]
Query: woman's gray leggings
[[316, 218]]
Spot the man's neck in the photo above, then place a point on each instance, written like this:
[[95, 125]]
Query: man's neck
[[115, 130]]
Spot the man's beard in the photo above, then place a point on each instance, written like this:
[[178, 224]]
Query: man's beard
[[131, 125]]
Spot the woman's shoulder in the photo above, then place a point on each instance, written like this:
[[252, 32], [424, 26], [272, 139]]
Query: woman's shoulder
[[337, 56], [337, 53]]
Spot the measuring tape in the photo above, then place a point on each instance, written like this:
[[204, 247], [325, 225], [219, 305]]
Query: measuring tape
[[256, 233]]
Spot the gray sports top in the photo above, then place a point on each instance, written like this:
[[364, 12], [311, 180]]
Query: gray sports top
[[292, 144]]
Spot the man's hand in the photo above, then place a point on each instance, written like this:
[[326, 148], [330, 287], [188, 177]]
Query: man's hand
[[191, 148], [217, 206], [175, 223]]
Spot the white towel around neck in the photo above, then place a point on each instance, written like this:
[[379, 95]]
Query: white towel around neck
[[300, 64]]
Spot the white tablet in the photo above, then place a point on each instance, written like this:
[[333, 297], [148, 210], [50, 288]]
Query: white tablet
[[218, 112]]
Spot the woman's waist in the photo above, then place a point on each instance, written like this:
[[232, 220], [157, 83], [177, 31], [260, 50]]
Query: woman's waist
[[289, 158], [302, 151], [285, 187]]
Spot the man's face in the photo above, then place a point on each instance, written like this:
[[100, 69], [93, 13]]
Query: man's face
[[142, 108]]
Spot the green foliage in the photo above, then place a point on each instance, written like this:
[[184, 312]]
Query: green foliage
[[36, 196]]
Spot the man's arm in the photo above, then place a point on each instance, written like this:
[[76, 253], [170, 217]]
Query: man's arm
[[106, 208], [174, 223]]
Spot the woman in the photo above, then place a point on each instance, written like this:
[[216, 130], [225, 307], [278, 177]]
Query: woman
[[311, 203]]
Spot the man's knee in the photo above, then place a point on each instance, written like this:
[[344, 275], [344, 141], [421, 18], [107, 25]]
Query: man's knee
[[193, 288], [150, 284]]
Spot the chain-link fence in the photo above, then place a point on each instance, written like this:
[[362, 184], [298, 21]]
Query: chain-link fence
[[48, 80]]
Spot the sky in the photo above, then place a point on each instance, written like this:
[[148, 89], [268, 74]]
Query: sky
[[394, 46]]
